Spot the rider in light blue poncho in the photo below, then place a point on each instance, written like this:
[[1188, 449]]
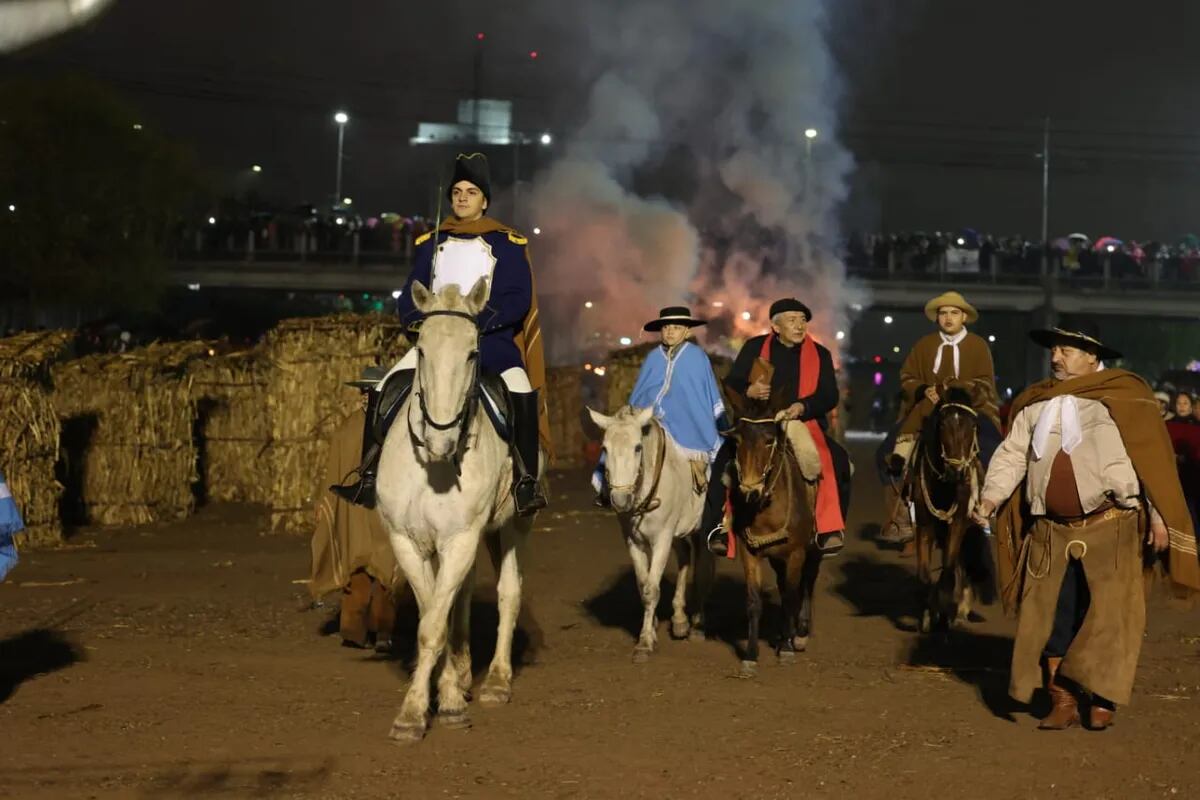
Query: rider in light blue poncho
[[678, 381], [10, 523]]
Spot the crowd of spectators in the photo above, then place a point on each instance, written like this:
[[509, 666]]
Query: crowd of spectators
[[968, 251]]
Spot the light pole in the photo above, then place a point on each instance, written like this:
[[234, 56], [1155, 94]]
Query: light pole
[[341, 118], [809, 135]]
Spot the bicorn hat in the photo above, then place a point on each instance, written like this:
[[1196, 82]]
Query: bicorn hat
[[472, 168]]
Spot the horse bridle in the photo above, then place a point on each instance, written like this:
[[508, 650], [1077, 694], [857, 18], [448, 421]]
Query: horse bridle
[[467, 410], [771, 461], [958, 464], [650, 502]]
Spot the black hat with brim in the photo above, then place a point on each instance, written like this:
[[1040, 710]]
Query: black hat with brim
[[673, 315], [473, 169], [789, 304], [1085, 336]]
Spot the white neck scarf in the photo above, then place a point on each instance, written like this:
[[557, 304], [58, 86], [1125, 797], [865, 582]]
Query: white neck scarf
[[1065, 408], [952, 343]]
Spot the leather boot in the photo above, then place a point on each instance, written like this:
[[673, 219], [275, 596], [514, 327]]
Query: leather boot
[[1064, 710], [1100, 714], [392, 394], [527, 489]]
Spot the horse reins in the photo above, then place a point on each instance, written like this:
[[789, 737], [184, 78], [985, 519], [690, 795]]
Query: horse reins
[[466, 411], [771, 467], [956, 463], [650, 502]]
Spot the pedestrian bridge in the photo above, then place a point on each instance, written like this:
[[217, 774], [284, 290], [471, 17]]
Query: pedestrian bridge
[[894, 289]]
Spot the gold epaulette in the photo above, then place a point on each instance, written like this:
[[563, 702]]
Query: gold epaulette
[[422, 239], [516, 238]]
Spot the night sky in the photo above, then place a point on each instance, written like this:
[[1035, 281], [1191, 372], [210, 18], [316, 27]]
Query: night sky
[[942, 104]]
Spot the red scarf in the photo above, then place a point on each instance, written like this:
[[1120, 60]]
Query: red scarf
[[829, 507]]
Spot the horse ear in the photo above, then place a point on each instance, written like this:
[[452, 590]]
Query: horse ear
[[477, 297], [601, 421], [736, 403], [422, 297], [643, 417]]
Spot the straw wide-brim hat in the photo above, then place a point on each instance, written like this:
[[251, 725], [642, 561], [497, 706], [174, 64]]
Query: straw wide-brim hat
[[954, 300], [1084, 335], [673, 315]]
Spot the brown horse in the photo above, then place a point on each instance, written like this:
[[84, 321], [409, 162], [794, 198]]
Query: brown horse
[[944, 482], [774, 520]]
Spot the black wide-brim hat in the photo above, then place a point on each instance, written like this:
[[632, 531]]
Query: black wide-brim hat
[[1084, 335], [673, 315], [472, 168]]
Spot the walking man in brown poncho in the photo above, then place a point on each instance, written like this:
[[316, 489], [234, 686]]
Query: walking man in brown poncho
[[1084, 481]]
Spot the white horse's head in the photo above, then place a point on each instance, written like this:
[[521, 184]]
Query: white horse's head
[[623, 434], [447, 365]]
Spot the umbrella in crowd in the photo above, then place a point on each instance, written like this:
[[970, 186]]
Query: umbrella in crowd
[[1109, 243]]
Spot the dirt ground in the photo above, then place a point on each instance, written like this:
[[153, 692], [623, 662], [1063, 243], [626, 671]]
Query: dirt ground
[[178, 661]]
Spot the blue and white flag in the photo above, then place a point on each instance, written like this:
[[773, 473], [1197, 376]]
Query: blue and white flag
[[10, 523]]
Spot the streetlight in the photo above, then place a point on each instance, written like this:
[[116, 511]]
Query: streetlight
[[810, 134], [256, 168], [341, 118], [547, 139]]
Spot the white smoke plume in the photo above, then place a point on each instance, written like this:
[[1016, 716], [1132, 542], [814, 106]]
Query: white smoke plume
[[691, 180]]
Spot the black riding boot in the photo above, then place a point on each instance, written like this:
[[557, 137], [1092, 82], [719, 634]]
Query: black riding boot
[[716, 538], [527, 490], [392, 395]]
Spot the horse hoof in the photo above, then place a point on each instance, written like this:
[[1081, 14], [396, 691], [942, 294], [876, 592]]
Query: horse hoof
[[747, 669], [641, 655], [407, 732], [696, 634], [454, 720], [787, 657], [680, 630], [800, 643], [495, 695]]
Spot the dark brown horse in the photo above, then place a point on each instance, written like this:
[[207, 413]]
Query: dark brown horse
[[775, 522], [945, 479]]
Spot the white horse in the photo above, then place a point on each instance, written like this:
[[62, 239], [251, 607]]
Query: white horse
[[651, 489], [444, 484]]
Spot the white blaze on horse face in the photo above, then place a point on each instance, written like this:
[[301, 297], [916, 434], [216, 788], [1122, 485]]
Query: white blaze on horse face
[[448, 359]]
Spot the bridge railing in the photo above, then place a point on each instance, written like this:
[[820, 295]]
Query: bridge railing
[[1153, 276]]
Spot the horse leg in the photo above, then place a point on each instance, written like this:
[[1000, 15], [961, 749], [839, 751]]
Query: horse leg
[[961, 594], [704, 568], [507, 550], [454, 563], [454, 678], [924, 549], [810, 568], [683, 576], [651, 591], [789, 602], [753, 571]]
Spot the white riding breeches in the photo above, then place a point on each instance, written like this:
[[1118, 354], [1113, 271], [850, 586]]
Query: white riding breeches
[[514, 378]]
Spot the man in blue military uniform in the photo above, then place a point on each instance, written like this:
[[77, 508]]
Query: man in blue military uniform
[[467, 247]]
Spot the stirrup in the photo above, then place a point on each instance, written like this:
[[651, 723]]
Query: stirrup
[[723, 546], [360, 493], [532, 504]]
